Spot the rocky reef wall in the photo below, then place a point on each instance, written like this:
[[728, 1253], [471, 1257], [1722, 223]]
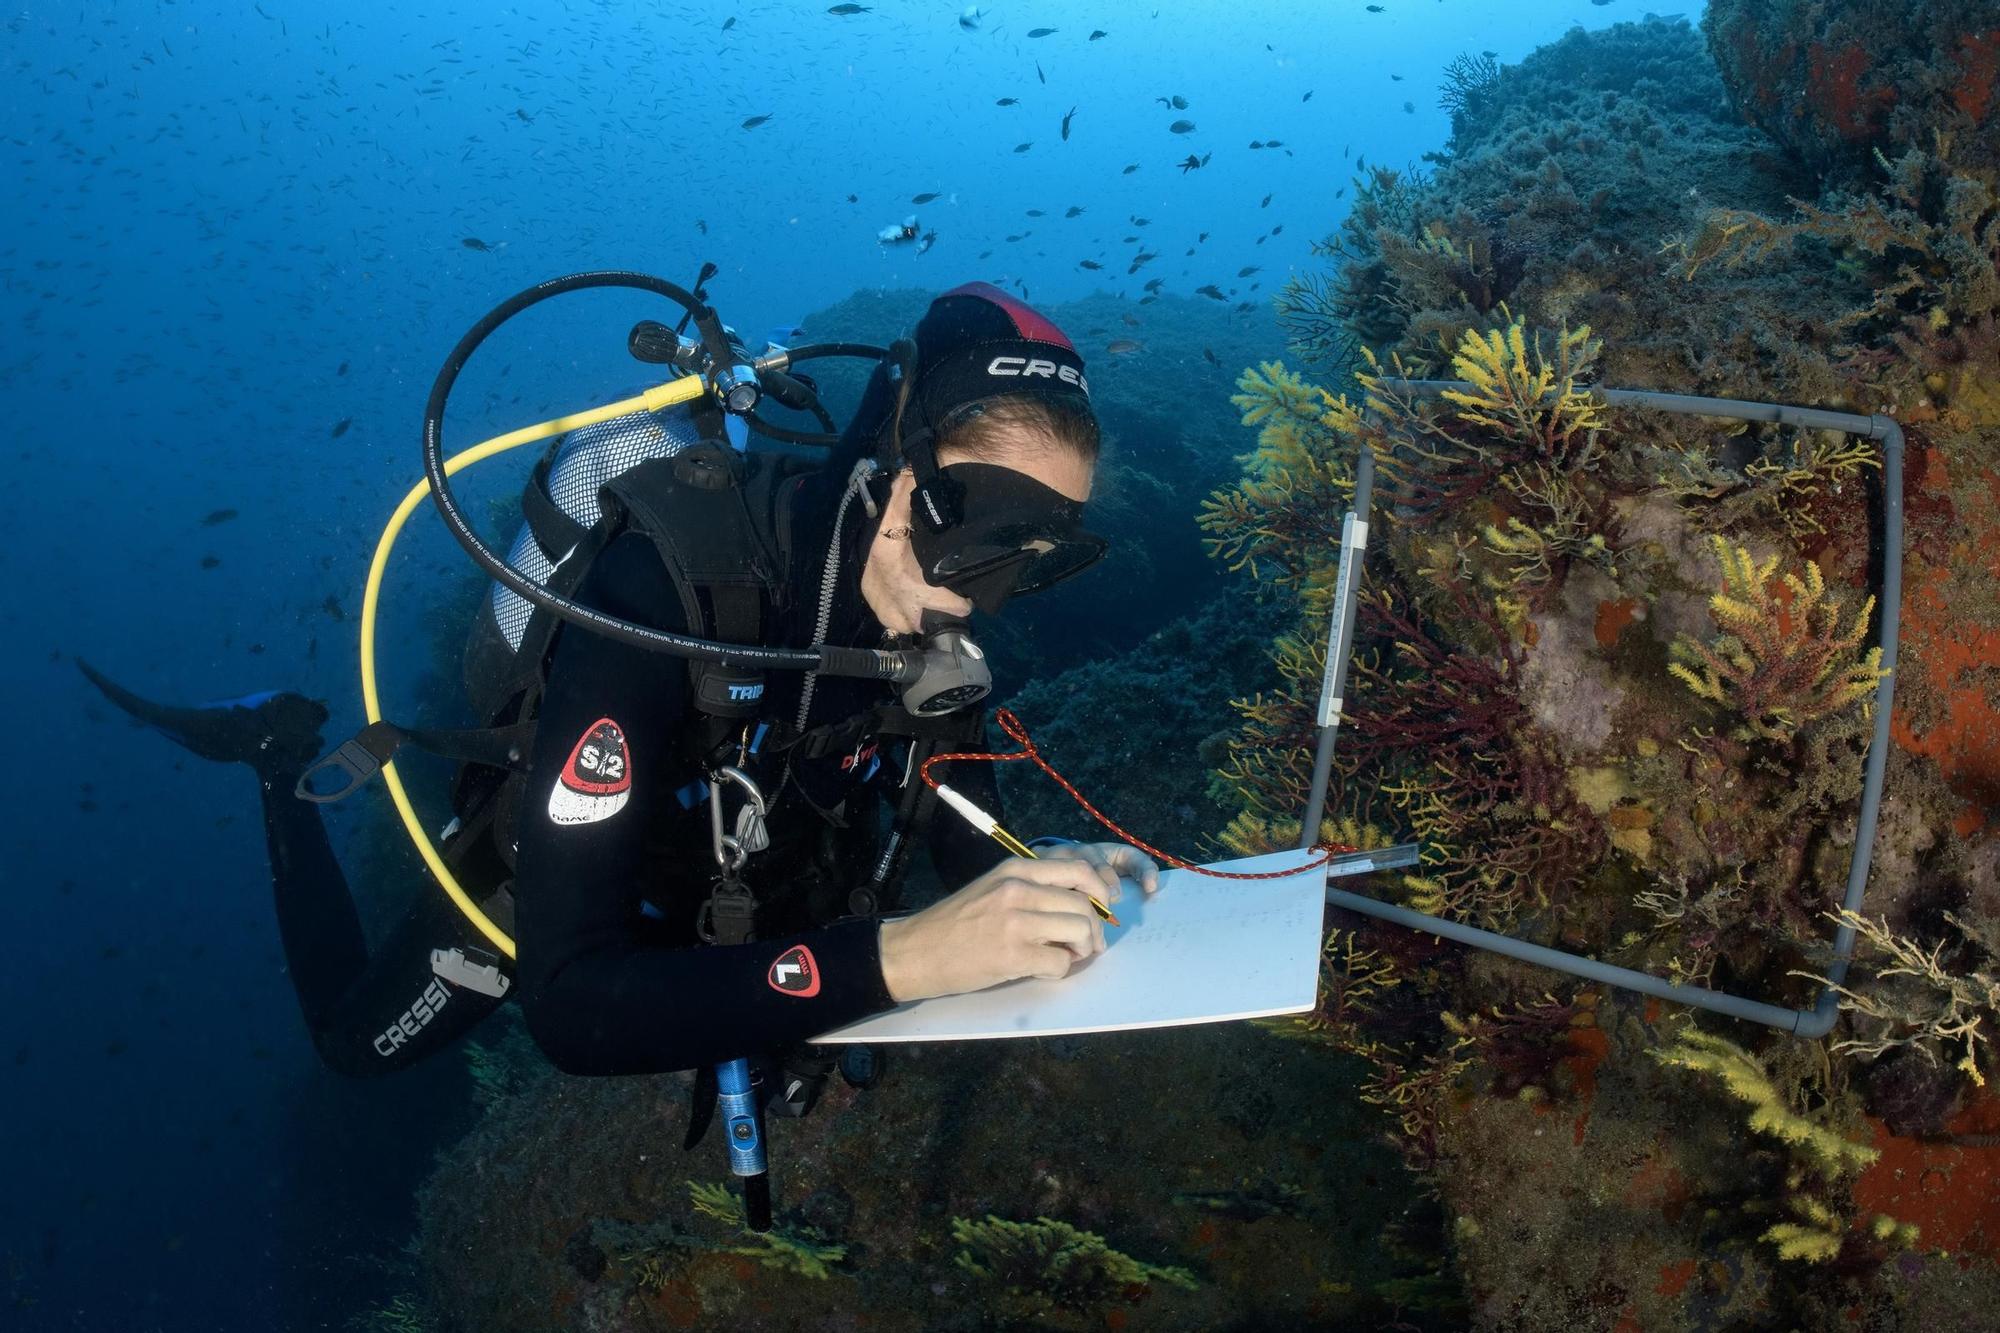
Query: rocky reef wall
[[1616, 666]]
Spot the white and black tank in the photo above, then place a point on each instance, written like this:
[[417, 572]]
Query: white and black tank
[[560, 505]]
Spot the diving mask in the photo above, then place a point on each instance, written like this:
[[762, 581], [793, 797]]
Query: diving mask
[[989, 532]]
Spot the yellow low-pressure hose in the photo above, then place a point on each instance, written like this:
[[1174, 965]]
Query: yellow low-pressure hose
[[652, 400]]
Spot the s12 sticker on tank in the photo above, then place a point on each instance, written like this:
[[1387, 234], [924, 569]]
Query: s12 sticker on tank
[[596, 780]]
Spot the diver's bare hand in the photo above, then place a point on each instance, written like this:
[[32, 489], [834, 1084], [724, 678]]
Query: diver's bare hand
[[1113, 860], [1022, 918]]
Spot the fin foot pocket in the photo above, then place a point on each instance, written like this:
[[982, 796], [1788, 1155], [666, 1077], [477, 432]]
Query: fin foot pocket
[[271, 731]]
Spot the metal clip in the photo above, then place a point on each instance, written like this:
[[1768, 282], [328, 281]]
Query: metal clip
[[750, 831], [731, 850]]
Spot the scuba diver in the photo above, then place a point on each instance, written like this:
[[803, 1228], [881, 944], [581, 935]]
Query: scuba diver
[[594, 833]]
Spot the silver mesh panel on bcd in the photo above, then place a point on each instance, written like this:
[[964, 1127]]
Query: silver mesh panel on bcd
[[586, 460]]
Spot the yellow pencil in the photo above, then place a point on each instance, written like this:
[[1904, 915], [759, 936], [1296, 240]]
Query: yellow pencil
[[990, 826]]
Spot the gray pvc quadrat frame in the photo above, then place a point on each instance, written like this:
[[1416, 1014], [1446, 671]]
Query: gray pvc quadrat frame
[[1814, 1022]]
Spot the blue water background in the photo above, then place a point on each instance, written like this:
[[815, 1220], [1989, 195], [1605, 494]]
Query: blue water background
[[210, 208]]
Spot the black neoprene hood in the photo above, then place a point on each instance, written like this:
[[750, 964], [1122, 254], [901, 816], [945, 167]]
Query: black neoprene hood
[[977, 342]]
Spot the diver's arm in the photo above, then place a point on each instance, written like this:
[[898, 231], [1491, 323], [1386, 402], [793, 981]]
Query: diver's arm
[[598, 997]]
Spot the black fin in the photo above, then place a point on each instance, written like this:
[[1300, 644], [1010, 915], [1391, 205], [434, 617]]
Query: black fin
[[257, 729]]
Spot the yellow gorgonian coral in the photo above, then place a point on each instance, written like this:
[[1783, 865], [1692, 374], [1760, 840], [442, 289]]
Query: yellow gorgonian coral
[[1271, 520], [1526, 394], [1778, 666], [1750, 1083]]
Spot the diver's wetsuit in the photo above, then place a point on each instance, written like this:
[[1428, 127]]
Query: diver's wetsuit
[[612, 977], [611, 974], [365, 1015]]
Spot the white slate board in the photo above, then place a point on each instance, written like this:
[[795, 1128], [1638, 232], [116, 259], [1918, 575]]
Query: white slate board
[[1201, 950]]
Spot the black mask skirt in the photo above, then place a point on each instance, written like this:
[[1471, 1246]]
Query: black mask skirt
[[1012, 535]]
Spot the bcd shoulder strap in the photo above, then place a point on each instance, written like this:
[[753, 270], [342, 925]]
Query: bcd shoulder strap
[[711, 513]]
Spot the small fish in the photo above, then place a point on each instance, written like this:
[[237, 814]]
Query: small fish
[[1256, 143], [1065, 124], [1308, 97], [1410, 107], [1035, 213], [755, 121], [969, 18], [930, 239], [210, 561], [1211, 291], [853, 198], [1395, 78], [1200, 237], [218, 516], [474, 243], [1130, 169], [1044, 78], [1373, 9], [1124, 346], [521, 114], [1189, 163], [1174, 103], [1181, 127], [1020, 236], [1138, 221], [1075, 211], [1024, 147], [846, 11], [332, 607], [1246, 270], [1266, 203], [1090, 264], [1244, 1205], [1008, 101], [1096, 33], [1040, 32], [1490, 55], [342, 370], [702, 225], [728, 23], [1211, 358], [340, 427], [1129, 322], [924, 198]]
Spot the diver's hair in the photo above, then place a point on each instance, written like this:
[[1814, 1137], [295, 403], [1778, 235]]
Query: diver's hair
[[1004, 426], [1018, 424]]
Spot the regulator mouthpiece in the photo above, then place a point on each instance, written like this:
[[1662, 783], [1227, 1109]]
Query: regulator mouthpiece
[[955, 672]]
